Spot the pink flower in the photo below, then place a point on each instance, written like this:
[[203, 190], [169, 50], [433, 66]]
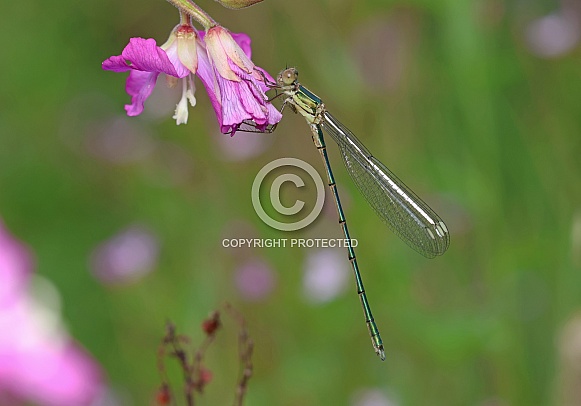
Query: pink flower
[[326, 275], [255, 280], [240, 85], [15, 269], [39, 362], [126, 257], [222, 62], [555, 34]]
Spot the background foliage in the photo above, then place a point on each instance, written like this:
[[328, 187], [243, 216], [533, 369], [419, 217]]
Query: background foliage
[[454, 96]]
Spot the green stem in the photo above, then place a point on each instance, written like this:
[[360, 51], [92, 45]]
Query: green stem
[[192, 9], [185, 18]]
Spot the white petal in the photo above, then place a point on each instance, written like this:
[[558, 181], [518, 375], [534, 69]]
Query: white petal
[[181, 113], [190, 93]]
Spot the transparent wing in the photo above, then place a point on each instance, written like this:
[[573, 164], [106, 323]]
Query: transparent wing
[[404, 212]]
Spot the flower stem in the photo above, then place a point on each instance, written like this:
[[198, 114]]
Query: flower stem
[[192, 9], [185, 18]]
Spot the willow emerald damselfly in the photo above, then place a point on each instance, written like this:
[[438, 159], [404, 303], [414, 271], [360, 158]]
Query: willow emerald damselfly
[[400, 208]]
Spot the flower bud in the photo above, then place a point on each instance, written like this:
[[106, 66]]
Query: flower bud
[[212, 323], [238, 4]]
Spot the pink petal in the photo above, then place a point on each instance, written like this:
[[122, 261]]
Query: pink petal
[[39, 364], [233, 111], [222, 48], [241, 39], [206, 74], [274, 116], [63, 377], [217, 56], [116, 64], [173, 56], [234, 51], [15, 267], [261, 76], [244, 42], [252, 98], [255, 101], [139, 86], [142, 55]]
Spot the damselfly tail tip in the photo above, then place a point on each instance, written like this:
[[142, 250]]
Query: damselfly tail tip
[[379, 350]]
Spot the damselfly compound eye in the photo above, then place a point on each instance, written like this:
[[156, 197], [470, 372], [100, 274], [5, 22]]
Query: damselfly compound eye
[[288, 76]]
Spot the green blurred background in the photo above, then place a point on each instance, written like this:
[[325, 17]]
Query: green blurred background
[[475, 104]]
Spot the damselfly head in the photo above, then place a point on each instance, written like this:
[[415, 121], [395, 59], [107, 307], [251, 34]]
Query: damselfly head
[[287, 77]]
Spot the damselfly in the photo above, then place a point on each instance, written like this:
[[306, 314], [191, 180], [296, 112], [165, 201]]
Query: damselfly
[[400, 208]]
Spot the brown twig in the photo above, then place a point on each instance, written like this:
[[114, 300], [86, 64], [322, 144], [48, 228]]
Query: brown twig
[[245, 349], [195, 375]]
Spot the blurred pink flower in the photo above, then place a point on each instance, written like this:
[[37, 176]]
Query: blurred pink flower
[[119, 140], [255, 280], [222, 62], [39, 362], [15, 268], [326, 275], [372, 397], [383, 49], [554, 34], [245, 145], [125, 257]]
